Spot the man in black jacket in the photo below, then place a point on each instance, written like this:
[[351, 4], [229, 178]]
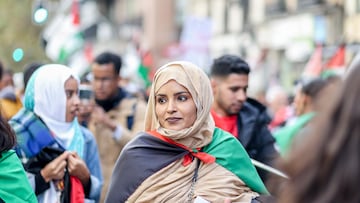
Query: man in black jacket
[[234, 112]]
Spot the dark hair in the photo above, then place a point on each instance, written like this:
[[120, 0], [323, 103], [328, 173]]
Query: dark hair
[[29, 69], [227, 64], [313, 87], [109, 57], [325, 167], [7, 136]]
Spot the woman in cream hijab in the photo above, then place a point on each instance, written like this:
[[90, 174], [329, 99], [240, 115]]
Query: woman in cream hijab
[[181, 156]]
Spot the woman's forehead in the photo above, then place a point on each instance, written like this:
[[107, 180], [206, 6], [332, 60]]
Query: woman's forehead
[[172, 85]]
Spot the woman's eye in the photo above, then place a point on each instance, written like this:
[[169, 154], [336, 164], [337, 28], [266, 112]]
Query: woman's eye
[[68, 94], [161, 100], [182, 98]]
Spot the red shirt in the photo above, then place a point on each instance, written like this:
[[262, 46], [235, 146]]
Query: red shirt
[[227, 123]]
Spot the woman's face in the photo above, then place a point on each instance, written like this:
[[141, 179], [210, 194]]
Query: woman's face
[[174, 106], [72, 99]]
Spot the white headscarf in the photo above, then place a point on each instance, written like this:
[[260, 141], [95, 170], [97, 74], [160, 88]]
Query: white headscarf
[[198, 84], [45, 96]]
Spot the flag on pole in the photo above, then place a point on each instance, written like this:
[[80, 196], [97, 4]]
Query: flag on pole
[[314, 67], [74, 40], [75, 12], [336, 64], [145, 70], [337, 60]]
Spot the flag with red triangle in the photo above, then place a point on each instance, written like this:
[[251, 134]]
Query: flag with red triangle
[[145, 69], [314, 66], [337, 60], [336, 64], [75, 39]]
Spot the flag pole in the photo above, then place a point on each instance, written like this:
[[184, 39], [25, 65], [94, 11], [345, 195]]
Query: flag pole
[[269, 168]]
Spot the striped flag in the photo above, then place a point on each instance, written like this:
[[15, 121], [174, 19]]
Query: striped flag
[[336, 64], [145, 69]]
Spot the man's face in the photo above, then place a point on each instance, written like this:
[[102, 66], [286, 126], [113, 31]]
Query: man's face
[[105, 83], [229, 93], [6, 80]]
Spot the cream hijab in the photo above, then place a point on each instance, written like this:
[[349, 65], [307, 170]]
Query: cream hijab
[[197, 83]]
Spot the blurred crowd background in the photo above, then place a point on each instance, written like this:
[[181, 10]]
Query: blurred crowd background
[[303, 55], [279, 38]]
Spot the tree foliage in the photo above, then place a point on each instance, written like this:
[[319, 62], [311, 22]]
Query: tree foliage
[[18, 31]]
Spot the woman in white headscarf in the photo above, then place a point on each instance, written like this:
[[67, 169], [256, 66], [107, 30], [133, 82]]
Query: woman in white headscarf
[[182, 156], [55, 149]]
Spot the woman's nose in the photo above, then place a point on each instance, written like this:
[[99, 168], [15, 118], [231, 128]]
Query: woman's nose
[[171, 107], [76, 99]]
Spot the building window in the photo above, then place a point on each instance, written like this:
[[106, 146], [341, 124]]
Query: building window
[[274, 7], [307, 3], [235, 15], [226, 17]]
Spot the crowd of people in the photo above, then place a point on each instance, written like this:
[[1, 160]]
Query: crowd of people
[[195, 137]]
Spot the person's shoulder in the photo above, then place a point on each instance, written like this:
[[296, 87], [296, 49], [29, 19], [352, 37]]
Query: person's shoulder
[[220, 133], [21, 118], [253, 107], [88, 135], [7, 154], [125, 94], [85, 130], [253, 103], [141, 139], [222, 137]]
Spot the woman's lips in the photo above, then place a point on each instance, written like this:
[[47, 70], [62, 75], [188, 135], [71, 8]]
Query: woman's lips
[[172, 119]]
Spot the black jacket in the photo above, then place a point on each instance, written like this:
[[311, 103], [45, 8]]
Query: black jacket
[[254, 134]]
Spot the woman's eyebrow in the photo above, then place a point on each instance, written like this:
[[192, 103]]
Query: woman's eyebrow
[[176, 93]]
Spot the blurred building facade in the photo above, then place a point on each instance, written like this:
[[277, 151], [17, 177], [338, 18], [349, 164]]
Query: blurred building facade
[[276, 37]]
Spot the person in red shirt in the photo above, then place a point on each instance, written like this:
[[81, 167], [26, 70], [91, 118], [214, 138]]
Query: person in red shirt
[[233, 111]]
